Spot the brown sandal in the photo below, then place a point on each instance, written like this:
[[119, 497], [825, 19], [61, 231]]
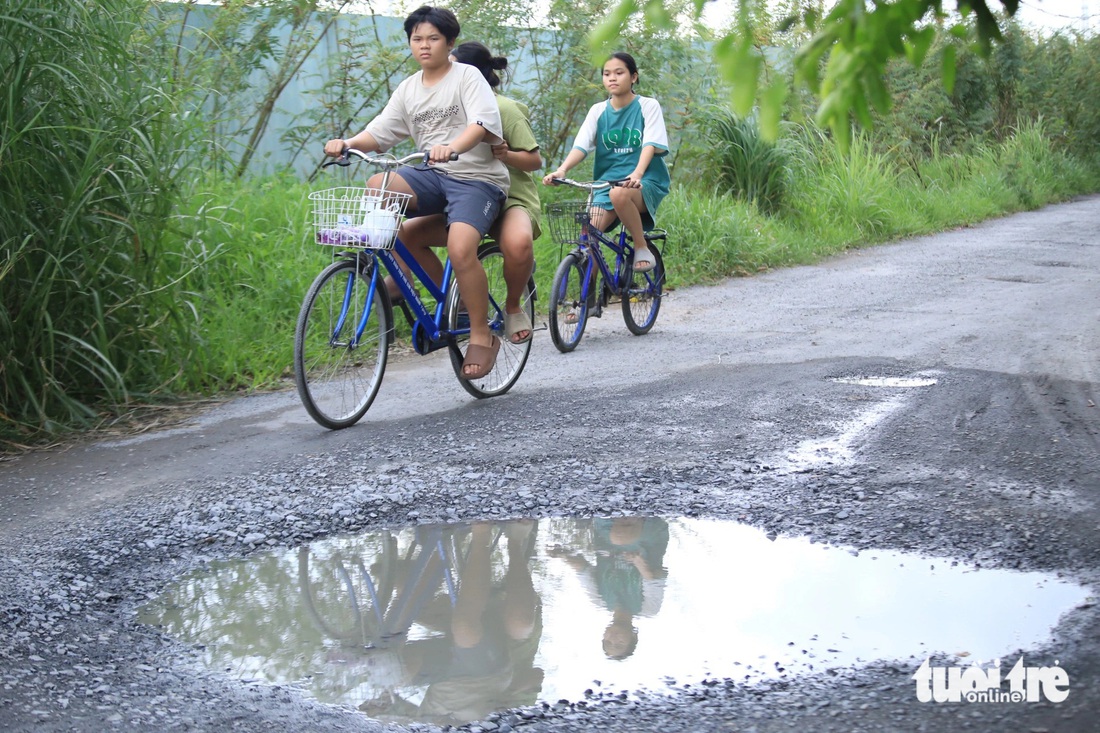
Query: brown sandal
[[483, 357]]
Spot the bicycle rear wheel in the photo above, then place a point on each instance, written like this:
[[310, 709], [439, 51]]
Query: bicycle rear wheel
[[512, 358], [642, 295], [568, 306], [337, 375]]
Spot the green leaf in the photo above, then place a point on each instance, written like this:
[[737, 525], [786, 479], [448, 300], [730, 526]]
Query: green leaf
[[746, 71], [947, 68], [608, 30], [771, 108], [725, 53], [877, 91], [657, 14], [862, 110], [917, 49]]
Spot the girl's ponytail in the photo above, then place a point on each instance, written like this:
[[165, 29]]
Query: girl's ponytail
[[480, 57]]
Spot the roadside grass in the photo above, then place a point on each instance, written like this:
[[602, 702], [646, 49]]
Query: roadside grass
[[248, 298], [88, 180], [241, 256]]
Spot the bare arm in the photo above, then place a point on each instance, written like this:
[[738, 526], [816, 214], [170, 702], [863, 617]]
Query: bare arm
[[363, 142], [644, 159], [467, 139], [523, 160], [576, 155]]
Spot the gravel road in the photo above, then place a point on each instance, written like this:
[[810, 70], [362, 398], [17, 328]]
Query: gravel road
[[742, 404]]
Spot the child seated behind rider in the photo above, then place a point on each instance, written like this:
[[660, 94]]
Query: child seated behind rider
[[446, 108], [518, 225], [628, 134]]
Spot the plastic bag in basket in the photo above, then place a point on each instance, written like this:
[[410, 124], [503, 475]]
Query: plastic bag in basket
[[377, 230]]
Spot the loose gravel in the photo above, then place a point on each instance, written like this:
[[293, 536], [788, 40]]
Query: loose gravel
[[75, 657]]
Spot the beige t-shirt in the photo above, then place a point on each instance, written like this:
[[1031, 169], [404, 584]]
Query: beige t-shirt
[[438, 114]]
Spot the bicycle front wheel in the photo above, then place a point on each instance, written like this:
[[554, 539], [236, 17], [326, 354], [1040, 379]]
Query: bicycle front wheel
[[642, 295], [512, 358], [568, 305], [341, 345]]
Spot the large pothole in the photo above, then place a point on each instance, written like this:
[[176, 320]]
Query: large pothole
[[446, 623]]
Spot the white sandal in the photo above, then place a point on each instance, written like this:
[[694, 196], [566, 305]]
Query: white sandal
[[516, 322], [645, 258]]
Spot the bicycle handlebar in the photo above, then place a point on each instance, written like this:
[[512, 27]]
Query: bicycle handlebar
[[588, 185], [380, 161]]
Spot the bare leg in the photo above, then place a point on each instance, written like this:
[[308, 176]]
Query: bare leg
[[419, 235], [514, 235], [629, 205], [467, 623], [520, 601], [602, 218], [462, 244]]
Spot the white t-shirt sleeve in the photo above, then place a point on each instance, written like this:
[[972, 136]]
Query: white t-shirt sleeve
[[391, 125], [586, 136], [482, 105], [655, 133]]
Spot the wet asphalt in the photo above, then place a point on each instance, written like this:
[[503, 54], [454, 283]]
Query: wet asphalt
[[743, 404]]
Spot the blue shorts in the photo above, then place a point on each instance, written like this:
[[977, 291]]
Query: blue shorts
[[476, 203]]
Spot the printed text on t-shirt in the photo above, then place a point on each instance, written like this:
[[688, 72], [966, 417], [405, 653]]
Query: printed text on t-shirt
[[435, 115], [624, 140]]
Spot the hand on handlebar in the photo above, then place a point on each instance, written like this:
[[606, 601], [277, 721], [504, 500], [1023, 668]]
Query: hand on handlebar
[[441, 154], [549, 178], [336, 147]]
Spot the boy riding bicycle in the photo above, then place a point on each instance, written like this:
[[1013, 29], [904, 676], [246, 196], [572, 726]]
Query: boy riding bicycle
[[446, 108]]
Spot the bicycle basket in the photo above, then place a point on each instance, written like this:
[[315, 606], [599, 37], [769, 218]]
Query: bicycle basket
[[566, 219], [357, 217]]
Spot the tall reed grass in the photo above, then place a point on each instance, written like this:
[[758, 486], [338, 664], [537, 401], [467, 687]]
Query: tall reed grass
[[121, 282], [747, 166], [90, 150]]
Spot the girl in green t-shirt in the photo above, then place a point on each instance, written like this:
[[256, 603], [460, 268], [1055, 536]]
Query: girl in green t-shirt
[[628, 135]]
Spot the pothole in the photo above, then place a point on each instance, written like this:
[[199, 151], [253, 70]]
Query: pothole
[[901, 382], [446, 623]]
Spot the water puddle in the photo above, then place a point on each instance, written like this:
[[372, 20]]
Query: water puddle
[[446, 623], [897, 382]]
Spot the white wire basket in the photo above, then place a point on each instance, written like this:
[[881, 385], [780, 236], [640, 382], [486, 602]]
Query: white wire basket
[[349, 216]]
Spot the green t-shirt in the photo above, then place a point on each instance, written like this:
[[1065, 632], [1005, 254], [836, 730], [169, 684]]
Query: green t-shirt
[[618, 136], [514, 117]]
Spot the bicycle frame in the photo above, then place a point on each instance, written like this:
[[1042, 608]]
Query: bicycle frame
[[591, 240], [429, 323], [342, 339]]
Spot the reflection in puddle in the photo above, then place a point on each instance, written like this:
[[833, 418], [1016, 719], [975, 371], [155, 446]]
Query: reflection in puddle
[[446, 623], [904, 382]]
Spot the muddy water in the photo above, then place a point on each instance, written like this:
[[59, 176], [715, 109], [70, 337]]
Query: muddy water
[[447, 623]]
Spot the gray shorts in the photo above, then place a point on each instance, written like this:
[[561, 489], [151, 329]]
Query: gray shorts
[[476, 203]]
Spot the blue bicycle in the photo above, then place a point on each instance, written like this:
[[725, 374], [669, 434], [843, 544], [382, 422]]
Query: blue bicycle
[[585, 281], [346, 324]]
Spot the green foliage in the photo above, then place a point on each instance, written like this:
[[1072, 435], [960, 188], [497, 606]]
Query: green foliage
[[136, 265], [92, 151], [1059, 80], [235, 62], [249, 302], [748, 166], [841, 62]]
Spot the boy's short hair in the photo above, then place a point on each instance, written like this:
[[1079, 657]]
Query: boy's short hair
[[444, 21]]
